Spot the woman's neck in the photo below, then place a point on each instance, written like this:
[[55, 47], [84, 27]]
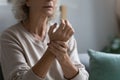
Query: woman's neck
[[37, 26]]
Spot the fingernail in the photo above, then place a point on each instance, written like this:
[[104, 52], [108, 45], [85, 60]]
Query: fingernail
[[55, 24]]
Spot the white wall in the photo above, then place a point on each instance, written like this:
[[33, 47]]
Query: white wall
[[6, 17], [93, 20], [2, 2]]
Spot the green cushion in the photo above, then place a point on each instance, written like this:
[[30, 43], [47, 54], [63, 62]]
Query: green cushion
[[104, 66]]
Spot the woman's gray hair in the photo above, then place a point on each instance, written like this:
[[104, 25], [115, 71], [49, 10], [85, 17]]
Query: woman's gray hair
[[21, 11]]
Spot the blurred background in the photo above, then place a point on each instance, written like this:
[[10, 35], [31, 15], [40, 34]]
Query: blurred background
[[95, 21]]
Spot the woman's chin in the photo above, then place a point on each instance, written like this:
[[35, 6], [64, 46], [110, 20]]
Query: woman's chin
[[49, 14]]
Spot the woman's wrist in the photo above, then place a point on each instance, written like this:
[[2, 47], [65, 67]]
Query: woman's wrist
[[71, 76], [50, 54], [49, 50], [58, 49], [63, 59], [69, 69]]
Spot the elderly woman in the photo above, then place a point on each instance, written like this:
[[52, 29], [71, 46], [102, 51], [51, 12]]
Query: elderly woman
[[33, 49]]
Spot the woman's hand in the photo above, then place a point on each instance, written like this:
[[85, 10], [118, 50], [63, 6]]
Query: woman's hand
[[58, 48], [63, 33]]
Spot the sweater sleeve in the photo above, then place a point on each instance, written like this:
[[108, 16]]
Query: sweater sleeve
[[73, 53], [13, 63]]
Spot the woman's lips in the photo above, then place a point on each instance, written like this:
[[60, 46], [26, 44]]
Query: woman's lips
[[48, 7]]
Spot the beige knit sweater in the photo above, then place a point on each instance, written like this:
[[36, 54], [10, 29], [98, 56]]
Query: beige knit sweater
[[20, 51]]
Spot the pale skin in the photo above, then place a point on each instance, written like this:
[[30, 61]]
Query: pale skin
[[36, 24]]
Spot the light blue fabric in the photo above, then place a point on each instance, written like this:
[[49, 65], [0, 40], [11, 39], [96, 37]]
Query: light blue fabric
[[104, 66]]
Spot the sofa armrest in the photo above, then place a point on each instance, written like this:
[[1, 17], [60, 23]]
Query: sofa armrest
[[84, 58]]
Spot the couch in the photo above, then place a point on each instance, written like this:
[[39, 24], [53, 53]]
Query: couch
[[84, 58]]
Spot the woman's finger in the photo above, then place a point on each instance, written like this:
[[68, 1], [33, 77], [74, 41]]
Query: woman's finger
[[52, 28], [52, 50], [67, 26], [62, 44], [70, 33], [57, 52], [68, 23], [62, 25], [59, 48]]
